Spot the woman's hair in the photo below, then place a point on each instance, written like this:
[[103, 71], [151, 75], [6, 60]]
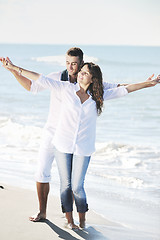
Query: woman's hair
[[96, 87]]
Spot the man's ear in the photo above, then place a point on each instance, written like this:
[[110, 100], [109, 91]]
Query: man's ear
[[81, 64]]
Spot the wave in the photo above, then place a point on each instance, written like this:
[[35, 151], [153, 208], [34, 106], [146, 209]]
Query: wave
[[126, 155], [60, 59], [16, 134], [122, 180], [133, 166]]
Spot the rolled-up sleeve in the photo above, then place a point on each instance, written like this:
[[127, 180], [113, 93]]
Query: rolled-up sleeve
[[107, 85], [49, 83], [114, 93], [35, 87]]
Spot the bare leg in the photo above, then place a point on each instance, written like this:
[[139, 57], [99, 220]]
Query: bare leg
[[70, 220], [82, 220], [42, 191]]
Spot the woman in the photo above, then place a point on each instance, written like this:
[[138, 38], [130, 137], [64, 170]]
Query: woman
[[74, 138]]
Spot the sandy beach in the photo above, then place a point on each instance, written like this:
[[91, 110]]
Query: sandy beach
[[122, 181], [18, 204]]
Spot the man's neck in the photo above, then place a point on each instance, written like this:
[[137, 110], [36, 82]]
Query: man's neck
[[73, 78]]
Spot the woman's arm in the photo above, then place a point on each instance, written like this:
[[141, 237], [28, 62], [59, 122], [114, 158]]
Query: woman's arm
[[26, 73], [124, 90], [149, 83]]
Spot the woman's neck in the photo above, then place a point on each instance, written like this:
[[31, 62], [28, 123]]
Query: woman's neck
[[83, 88]]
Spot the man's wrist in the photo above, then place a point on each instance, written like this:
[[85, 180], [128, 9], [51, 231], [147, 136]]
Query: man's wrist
[[18, 69], [14, 67]]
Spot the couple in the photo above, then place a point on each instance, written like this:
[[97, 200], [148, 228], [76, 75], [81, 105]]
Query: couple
[[71, 126]]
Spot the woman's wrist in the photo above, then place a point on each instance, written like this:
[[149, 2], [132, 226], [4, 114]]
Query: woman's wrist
[[150, 83]]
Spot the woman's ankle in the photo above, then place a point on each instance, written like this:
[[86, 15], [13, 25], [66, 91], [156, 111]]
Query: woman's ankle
[[82, 220], [69, 217]]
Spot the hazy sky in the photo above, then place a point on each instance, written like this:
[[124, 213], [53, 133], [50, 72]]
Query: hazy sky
[[107, 22]]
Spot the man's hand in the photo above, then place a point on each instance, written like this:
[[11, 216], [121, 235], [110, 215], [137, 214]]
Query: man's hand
[[7, 64]]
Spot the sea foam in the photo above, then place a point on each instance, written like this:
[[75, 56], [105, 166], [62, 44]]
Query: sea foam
[[60, 59]]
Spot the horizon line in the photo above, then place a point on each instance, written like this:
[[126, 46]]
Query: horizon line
[[83, 44]]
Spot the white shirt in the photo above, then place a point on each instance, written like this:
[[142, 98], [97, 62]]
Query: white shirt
[[54, 108], [53, 115], [76, 127]]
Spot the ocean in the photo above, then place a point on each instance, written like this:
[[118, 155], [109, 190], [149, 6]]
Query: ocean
[[124, 171]]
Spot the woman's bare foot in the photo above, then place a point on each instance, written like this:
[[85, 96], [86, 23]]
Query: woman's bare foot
[[71, 226], [70, 222], [82, 224], [37, 217], [82, 220]]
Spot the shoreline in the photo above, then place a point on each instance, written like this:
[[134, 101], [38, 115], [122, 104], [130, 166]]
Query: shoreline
[[17, 204]]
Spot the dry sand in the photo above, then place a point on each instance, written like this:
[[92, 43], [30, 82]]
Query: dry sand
[[18, 204]]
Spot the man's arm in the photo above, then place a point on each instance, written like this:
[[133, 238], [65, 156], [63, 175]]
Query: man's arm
[[25, 82], [26, 73]]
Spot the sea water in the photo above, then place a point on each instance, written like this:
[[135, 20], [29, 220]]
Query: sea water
[[125, 169]]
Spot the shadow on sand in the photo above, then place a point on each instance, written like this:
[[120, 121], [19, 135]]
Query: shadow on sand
[[89, 233]]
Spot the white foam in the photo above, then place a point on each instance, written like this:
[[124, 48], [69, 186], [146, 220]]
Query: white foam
[[60, 59], [16, 134], [123, 164], [126, 165]]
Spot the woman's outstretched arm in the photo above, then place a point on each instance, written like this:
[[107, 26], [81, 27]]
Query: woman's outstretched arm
[[150, 82]]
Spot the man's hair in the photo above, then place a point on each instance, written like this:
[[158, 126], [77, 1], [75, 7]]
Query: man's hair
[[76, 52]]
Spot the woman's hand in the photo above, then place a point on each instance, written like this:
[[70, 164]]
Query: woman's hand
[[152, 81]]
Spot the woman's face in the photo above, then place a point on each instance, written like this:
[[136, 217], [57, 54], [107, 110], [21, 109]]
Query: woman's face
[[84, 76]]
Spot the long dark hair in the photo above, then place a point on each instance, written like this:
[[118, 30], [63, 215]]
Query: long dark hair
[[96, 87]]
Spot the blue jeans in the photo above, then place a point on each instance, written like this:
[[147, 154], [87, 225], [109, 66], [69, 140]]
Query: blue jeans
[[72, 171]]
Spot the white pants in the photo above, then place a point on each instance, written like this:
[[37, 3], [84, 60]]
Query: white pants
[[46, 157]]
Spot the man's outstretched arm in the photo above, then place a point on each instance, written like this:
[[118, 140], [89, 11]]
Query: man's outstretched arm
[[21, 71]]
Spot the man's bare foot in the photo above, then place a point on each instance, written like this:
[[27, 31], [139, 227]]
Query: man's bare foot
[[37, 217]]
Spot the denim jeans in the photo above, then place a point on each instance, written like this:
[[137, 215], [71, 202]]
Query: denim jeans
[[72, 171]]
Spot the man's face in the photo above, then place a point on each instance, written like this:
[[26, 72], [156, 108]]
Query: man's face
[[72, 65]]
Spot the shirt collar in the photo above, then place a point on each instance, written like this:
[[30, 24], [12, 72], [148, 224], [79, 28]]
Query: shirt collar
[[77, 88]]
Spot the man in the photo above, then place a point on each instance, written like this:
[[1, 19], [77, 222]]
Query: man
[[74, 60]]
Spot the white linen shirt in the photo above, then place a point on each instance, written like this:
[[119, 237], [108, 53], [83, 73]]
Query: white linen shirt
[[76, 128], [53, 115], [55, 101]]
